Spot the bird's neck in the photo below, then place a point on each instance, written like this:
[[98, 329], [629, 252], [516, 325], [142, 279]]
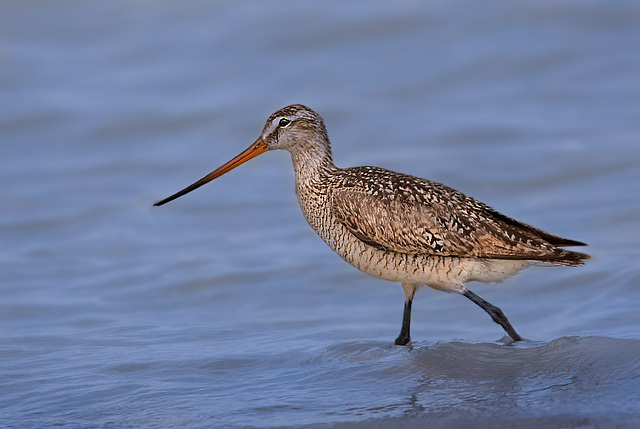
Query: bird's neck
[[314, 171], [311, 164]]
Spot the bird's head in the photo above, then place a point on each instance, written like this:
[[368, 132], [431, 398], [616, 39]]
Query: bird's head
[[295, 128]]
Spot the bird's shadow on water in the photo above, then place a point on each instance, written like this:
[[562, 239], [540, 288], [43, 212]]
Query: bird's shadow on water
[[501, 381]]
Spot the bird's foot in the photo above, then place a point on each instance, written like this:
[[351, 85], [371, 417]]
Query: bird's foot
[[403, 340]]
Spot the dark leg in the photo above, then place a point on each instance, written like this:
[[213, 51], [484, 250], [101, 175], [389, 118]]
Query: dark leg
[[496, 314], [404, 337]]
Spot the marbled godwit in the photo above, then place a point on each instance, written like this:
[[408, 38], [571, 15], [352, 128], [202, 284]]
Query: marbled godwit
[[399, 227]]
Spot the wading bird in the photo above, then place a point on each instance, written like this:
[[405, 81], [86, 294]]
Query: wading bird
[[399, 227]]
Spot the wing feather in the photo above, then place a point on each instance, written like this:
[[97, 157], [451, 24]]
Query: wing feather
[[410, 215]]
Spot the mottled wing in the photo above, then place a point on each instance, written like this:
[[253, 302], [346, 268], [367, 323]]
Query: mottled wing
[[411, 215], [387, 224]]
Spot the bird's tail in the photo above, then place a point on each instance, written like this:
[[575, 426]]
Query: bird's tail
[[568, 257]]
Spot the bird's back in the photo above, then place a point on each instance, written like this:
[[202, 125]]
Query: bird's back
[[402, 213]]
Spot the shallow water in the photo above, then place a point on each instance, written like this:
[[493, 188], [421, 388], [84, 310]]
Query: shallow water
[[223, 309]]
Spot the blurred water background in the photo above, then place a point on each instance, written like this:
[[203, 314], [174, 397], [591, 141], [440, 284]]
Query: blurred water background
[[223, 309]]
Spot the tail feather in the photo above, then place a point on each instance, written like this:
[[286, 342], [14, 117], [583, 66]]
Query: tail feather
[[568, 257]]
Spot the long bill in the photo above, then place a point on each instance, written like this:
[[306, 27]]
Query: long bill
[[258, 147]]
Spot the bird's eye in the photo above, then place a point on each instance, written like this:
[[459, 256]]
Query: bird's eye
[[284, 122]]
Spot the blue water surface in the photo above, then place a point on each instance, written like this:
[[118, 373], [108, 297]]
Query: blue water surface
[[223, 308]]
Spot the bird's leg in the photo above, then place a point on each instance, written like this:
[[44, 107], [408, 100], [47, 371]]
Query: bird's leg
[[496, 314], [404, 337], [409, 292]]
